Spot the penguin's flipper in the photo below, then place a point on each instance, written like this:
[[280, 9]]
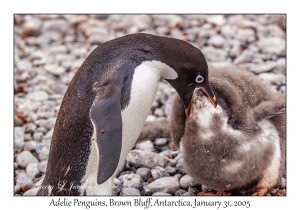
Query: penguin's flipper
[[107, 120]]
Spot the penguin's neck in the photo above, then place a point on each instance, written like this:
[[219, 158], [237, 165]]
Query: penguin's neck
[[143, 88]]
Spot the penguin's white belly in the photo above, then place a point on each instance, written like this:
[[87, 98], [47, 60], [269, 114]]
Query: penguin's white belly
[[143, 88]]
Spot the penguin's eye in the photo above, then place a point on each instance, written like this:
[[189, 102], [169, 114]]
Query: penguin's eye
[[199, 79]]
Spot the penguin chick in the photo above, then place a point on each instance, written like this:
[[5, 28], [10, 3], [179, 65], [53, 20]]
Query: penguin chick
[[240, 144]]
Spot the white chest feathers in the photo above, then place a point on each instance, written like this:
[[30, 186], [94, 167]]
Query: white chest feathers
[[143, 88]]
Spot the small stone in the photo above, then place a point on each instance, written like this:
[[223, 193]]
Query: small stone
[[165, 184], [263, 67], [271, 78], [216, 19], [54, 69], [146, 191], [29, 146], [159, 172], [180, 166], [38, 96], [48, 136], [187, 194], [193, 190], [145, 173], [49, 123], [180, 192], [213, 54], [117, 182], [25, 158], [283, 183], [17, 188], [130, 191], [205, 188], [151, 118], [138, 158], [32, 170], [187, 181], [145, 146], [37, 136], [272, 45], [42, 148], [161, 141], [171, 170], [15, 165], [161, 194], [31, 192], [216, 41], [24, 181], [32, 26], [133, 180], [246, 35], [42, 166], [19, 138], [245, 57], [43, 157]]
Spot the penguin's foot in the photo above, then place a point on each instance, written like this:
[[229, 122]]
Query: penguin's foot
[[210, 193], [260, 191], [280, 192]]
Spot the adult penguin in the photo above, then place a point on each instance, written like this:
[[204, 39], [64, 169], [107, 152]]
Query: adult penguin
[[107, 103]]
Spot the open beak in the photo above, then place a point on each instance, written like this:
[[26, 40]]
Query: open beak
[[213, 100]]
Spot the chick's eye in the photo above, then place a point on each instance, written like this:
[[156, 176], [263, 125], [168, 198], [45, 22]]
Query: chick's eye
[[199, 79]]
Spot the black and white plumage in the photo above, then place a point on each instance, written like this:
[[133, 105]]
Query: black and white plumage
[[240, 144], [107, 103]]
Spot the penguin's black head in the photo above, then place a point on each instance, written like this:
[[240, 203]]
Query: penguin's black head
[[192, 76]]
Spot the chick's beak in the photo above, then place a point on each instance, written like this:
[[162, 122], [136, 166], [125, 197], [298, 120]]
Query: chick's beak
[[212, 99]]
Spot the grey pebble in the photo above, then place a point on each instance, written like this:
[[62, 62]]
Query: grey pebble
[[30, 146], [38, 96], [133, 181], [31, 192], [130, 191], [161, 194], [139, 158], [214, 54], [37, 136], [19, 138], [145, 173], [32, 170], [160, 141], [159, 172], [187, 181], [165, 184], [171, 170], [42, 166], [216, 41], [180, 166], [272, 45], [193, 190], [180, 192], [283, 183], [42, 148], [17, 188], [15, 165], [23, 180], [25, 158], [187, 194], [145, 146], [272, 78]]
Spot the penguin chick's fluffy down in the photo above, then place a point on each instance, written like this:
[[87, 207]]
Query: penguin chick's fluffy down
[[240, 144]]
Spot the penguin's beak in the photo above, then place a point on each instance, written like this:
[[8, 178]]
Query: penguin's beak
[[211, 98]]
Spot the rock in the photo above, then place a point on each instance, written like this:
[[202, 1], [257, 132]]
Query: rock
[[117, 182], [180, 192], [130, 191], [32, 26], [54, 69], [165, 184], [133, 180], [151, 118], [145, 146], [57, 25], [271, 78], [245, 57], [193, 190], [283, 182], [42, 166], [161, 194], [25, 158], [171, 170], [272, 45], [38, 96], [187, 181], [15, 165], [24, 181], [32, 171], [30, 146], [205, 188], [37, 136], [138, 158], [187, 194], [246, 35], [180, 166], [159, 172], [42, 148], [161, 141], [17, 188], [216, 19], [31, 192], [49, 123], [48, 136], [216, 41], [213, 54], [19, 138], [263, 67], [145, 173]]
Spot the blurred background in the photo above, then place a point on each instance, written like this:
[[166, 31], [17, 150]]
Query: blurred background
[[49, 49]]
